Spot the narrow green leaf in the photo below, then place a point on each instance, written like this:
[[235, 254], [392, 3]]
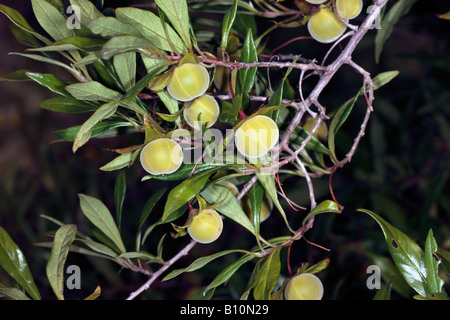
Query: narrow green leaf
[[108, 27], [100, 129], [55, 266], [151, 28], [40, 58], [67, 105], [432, 261], [120, 188], [246, 77], [185, 192], [13, 293], [227, 24], [49, 81], [24, 37], [93, 91], [399, 9], [324, 206], [125, 66], [84, 44], [18, 75], [268, 276], [51, 20], [13, 261], [407, 255], [88, 11], [178, 15], [199, 263], [384, 293], [229, 207], [100, 216], [149, 205]]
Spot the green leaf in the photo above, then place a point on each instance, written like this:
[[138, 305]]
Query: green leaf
[[399, 9], [199, 263], [100, 216], [73, 43], [51, 20], [432, 261], [98, 130], [20, 22], [229, 207], [324, 206], [49, 81], [268, 182], [121, 44], [227, 24], [384, 293], [151, 28], [125, 66], [85, 131], [46, 60], [119, 162], [256, 196], [268, 276], [67, 105], [120, 188], [13, 261], [407, 255], [18, 75], [246, 77], [93, 91], [55, 266], [185, 192], [13, 293], [108, 27], [88, 10], [178, 15], [24, 37]]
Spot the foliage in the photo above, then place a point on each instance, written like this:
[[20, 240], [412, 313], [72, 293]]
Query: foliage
[[120, 62]]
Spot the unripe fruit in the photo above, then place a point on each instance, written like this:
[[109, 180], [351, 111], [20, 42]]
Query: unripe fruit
[[256, 136], [205, 106], [305, 286], [325, 26], [206, 226], [316, 1], [222, 79], [349, 9], [321, 131], [161, 156], [266, 208], [189, 81]]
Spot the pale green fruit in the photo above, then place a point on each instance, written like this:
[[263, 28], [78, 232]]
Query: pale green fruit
[[321, 131], [316, 1], [325, 26], [189, 81], [205, 106], [161, 156], [349, 9], [256, 136], [206, 226], [305, 286]]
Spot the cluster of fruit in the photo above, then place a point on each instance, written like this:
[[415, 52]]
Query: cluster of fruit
[[327, 24]]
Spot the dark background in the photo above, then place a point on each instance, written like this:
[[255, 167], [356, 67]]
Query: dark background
[[400, 169]]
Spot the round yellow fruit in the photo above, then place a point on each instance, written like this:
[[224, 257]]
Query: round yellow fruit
[[349, 9], [321, 131], [266, 207], [305, 286], [189, 81], [206, 226], [204, 106], [256, 136], [316, 1], [161, 156], [325, 26]]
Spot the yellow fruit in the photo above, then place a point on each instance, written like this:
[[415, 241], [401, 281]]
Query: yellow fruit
[[321, 131], [349, 9], [256, 136], [205, 106], [316, 1], [189, 81], [266, 207], [325, 26], [305, 286], [161, 156], [206, 226]]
